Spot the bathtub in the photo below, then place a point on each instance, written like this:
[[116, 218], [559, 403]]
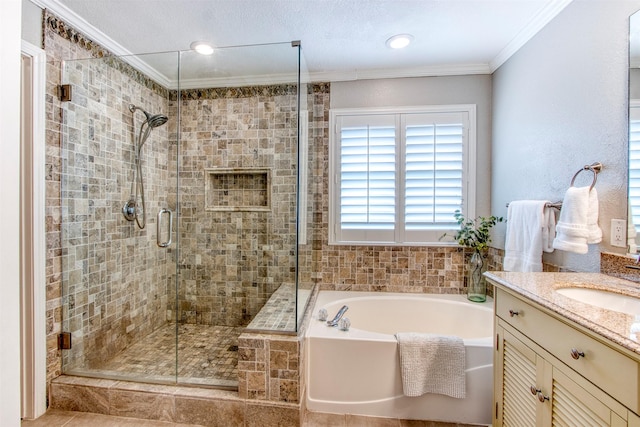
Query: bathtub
[[357, 371]]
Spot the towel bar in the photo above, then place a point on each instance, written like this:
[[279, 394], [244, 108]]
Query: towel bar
[[555, 205], [594, 167]]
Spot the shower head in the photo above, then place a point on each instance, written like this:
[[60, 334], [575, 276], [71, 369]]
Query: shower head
[[156, 120], [153, 120]]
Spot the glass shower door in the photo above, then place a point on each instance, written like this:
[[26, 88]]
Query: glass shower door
[[117, 189], [179, 195], [238, 168]]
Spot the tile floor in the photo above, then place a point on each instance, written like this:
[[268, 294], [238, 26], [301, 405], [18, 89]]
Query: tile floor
[[57, 418], [206, 355]]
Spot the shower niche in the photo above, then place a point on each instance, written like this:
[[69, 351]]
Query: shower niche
[[144, 312], [238, 189]]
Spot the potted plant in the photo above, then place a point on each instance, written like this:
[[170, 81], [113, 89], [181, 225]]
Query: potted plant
[[475, 234]]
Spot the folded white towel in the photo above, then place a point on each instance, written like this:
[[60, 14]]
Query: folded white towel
[[595, 233], [572, 230], [432, 364], [530, 230], [548, 228]]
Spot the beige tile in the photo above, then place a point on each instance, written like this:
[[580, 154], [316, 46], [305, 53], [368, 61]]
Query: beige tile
[[360, 421], [79, 398], [137, 404], [58, 418], [258, 415], [98, 420], [92, 382], [52, 418], [211, 413], [419, 423], [206, 393], [321, 419]]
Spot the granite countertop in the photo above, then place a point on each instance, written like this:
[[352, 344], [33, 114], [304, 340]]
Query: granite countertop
[[620, 328]]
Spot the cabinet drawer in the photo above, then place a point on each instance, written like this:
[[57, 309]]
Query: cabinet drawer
[[605, 367]]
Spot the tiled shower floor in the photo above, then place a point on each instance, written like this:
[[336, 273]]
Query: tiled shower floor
[[207, 355]]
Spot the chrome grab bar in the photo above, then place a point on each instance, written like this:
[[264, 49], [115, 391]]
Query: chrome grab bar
[[158, 230]]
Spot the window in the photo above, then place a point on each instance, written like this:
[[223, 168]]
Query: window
[[399, 175]]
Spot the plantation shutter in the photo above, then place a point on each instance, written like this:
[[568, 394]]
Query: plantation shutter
[[433, 169], [368, 177], [399, 176]]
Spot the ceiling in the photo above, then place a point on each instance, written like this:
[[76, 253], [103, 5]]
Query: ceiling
[[341, 39]]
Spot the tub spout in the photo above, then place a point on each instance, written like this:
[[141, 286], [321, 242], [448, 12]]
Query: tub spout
[[336, 320]]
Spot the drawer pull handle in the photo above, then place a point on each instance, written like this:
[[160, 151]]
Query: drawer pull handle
[[534, 390], [542, 397], [513, 313], [576, 354]]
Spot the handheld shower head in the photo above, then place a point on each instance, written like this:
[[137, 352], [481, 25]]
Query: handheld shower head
[[156, 120], [153, 120], [131, 210]]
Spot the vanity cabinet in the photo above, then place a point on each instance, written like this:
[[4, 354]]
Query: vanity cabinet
[[548, 372]]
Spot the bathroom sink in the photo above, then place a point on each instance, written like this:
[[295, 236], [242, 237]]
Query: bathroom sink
[[603, 299]]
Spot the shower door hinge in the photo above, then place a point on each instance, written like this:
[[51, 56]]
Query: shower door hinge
[[64, 92], [64, 341], [296, 43]]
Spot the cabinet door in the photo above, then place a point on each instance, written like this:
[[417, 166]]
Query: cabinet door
[[573, 405], [532, 388], [517, 383]]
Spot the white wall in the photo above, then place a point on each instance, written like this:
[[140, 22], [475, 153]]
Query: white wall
[[475, 89], [561, 103], [31, 23], [10, 15]]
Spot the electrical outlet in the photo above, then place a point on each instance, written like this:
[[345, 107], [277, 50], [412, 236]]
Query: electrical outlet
[[618, 233]]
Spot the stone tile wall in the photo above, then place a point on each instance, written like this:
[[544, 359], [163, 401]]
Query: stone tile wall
[[119, 283], [232, 261], [112, 275]]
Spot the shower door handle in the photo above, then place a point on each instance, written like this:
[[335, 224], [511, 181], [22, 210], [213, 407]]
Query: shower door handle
[[159, 228]]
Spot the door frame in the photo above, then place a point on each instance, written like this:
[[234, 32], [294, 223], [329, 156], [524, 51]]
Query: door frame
[[33, 342]]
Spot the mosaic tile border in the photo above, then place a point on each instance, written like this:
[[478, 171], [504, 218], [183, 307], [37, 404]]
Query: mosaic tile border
[[57, 25], [247, 91], [69, 33]]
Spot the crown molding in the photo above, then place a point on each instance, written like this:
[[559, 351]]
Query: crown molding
[[80, 24], [427, 71], [542, 18]]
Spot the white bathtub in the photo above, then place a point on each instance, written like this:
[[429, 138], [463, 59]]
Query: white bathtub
[[357, 372]]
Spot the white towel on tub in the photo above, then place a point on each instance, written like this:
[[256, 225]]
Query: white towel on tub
[[431, 363]]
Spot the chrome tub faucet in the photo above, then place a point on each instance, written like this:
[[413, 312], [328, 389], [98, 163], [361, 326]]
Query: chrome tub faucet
[[336, 319]]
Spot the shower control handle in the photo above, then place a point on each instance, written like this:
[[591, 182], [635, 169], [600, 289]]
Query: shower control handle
[[166, 243]]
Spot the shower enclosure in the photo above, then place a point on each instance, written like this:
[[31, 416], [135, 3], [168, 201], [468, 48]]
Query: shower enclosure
[[181, 224]]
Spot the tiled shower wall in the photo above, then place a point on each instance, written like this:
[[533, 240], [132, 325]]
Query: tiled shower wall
[[120, 283], [233, 258], [114, 277]]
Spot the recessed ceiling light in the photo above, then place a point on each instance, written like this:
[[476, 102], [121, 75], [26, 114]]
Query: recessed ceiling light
[[399, 41], [203, 48]]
